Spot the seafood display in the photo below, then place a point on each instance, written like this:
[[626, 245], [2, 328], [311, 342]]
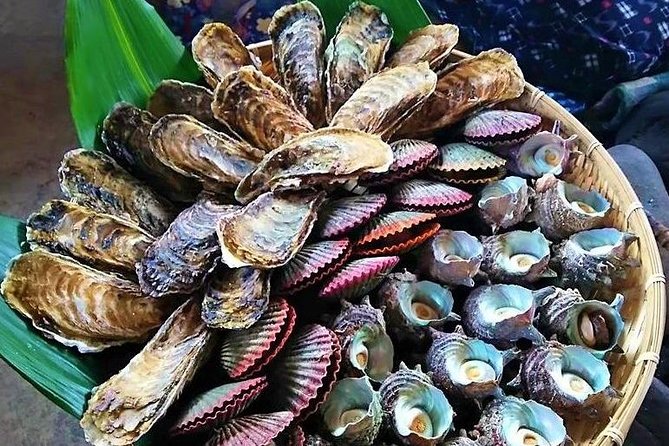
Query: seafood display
[[337, 226]]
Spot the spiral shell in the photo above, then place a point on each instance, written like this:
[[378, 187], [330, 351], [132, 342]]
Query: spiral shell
[[505, 203], [544, 153], [358, 278], [495, 128], [462, 163], [451, 257], [430, 196]]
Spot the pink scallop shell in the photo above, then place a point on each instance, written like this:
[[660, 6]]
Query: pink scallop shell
[[410, 157], [251, 430], [358, 277], [341, 216], [501, 127], [431, 196]]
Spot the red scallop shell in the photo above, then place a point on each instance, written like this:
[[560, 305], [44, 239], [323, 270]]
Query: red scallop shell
[[358, 278], [339, 217], [251, 430], [462, 163], [501, 127], [410, 157], [311, 265], [431, 196], [218, 405], [247, 352], [395, 233]]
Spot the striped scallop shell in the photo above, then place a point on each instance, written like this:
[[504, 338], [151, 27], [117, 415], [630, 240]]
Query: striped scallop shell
[[492, 128], [463, 163], [358, 278], [251, 430], [395, 233], [431, 196], [340, 217], [410, 157]]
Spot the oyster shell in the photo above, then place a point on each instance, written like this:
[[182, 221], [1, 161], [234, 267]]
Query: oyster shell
[[269, 231], [410, 157], [462, 163], [505, 203], [386, 100], [430, 196], [480, 81], [340, 217], [192, 149], [432, 44], [395, 233], [451, 257], [352, 412], [358, 278], [297, 32], [259, 108], [500, 128], [249, 430], [97, 239], [355, 53], [125, 133], [218, 51], [315, 159], [125, 407], [95, 180], [79, 306], [562, 209], [545, 152], [183, 257], [183, 98], [517, 257]]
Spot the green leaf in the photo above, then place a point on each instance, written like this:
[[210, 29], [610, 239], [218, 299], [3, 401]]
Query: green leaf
[[65, 377], [404, 15], [117, 51]]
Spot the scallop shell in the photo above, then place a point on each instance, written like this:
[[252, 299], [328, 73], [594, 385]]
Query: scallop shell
[[495, 128], [505, 203], [486, 79], [517, 257], [180, 260], [251, 429], [236, 298], [339, 217], [183, 98], [311, 265], [562, 209], [217, 406], [502, 314], [297, 32], [97, 239], [259, 108], [430, 196], [79, 306], [246, 352], [451, 257], [410, 157], [355, 53], [325, 156], [218, 51], [358, 278], [387, 99], [543, 153], [269, 231], [92, 179], [432, 44], [305, 371], [462, 163], [395, 233]]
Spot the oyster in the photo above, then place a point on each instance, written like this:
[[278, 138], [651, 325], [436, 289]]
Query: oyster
[[297, 32], [545, 152], [463, 163], [79, 306], [562, 209], [259, 429], [505, 203], [410, 157], [517, 257], [125, 407], [501, 315], [259, 108], [95, 180], [500, 128], [480, 81], [125, 132], [432, 44], [395, 233], [430, 196], [358, 278], [182, 98], [97, 239], [269, 231], [218, 51], [418, 412], [413, 306], [235, 298], [315, 159], [386, 100], [352, 412], [181, 259], [192, 149], [340, 217], [596, 261], [355, 53], [451, 257]]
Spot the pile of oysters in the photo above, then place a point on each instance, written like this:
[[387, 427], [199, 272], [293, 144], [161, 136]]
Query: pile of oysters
[[332, 241]]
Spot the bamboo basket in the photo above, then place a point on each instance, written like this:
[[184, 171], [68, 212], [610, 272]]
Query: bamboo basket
[[644, 308]]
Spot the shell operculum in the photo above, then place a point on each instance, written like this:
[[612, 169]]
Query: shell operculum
[[430, 196], [358, 277], [395, 233], [462, 163], [452, 257]]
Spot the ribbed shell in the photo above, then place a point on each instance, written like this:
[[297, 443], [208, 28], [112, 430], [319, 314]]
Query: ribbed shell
[[410, 157], [463, 163], [498, 249], [437, 261], [392, 386], [339, 217], [432, 44], [176, 97], [246, 352], [395, 233], [491, 128], [251, 430], [430, 196], [352, 317], [358, 278], [543, 153]]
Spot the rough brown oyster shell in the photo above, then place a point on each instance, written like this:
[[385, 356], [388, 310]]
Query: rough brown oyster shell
[[218, 51], [95, 180], [386, 100], [126, 406], [318, 158], [297, 32], [270, 230], [79, 306], [175, 97], [96, 239], [259, 108], [355, 53], [432, 44], [480, 81]]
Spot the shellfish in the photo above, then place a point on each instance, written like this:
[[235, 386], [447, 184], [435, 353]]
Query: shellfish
[[505, 203], [358, 278], [451, 257], [543, 153], [173, 97], [430, 196], [259, 429], [500, 128], [410, 157], [340, 217], [462, 163], [432, 44], [395, 233]]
